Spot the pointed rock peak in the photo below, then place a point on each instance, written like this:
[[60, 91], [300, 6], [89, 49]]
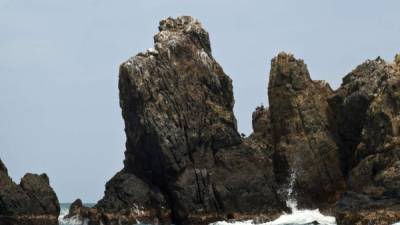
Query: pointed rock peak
[[397, 59], [181, 23], [397, 63], [371, 69], [288, 71], [181, 32], [3, 168]]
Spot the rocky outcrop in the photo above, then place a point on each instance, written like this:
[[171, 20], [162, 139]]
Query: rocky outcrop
[[302, 134], [261, 138], [185, 161], [350, 104], [374, 183], [31, 202]]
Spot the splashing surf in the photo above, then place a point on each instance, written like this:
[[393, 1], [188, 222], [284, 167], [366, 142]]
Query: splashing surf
[[296, 217]]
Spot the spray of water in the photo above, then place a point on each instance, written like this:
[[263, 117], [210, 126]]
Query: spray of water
[[291, 201], [69, 221], [297, 216]]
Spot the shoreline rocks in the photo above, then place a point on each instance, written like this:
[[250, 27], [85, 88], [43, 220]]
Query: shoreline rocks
[[184, 155], [302, 134], [32, 202], [185, 162], [373, 192]]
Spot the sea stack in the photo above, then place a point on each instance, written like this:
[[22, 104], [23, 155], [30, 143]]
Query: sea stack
[[32, 202], [304, 143], [185, 162]]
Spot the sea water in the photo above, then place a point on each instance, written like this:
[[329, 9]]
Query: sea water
[[64, 209], [296, 217]]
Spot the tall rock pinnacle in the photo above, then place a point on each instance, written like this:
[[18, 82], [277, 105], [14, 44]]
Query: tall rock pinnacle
[[303, 141], [185, 160]]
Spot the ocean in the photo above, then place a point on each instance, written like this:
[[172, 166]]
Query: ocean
[[64, 209], [297, 217]]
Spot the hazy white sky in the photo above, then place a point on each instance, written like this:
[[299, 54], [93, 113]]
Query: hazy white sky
[[59, 109]]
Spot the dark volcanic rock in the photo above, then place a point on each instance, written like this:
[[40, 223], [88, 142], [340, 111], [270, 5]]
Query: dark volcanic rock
[[262, 130], [32, 202], [351, 102], [302, 135], [374, 183], [185, 161], [75, 208]]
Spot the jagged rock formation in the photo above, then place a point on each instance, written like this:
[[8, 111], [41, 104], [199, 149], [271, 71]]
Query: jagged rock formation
[[302, 135], [261, 138], [32, 202], [185, 162], [373, 194], [350, 104]]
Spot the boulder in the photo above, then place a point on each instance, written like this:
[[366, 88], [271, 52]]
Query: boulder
[[75, 209]]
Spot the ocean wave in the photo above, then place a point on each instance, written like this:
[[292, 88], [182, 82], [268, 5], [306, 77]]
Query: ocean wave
[[69, 221], [296, 217]]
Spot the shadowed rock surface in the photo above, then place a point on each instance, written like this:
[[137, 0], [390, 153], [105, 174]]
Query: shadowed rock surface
[[373, 194], [185, 162], [302, 136], [32, 202], [351, 102]]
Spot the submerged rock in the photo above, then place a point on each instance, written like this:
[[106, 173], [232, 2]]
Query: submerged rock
[[32, 202]]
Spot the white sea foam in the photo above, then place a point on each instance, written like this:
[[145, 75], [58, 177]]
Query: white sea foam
[[69, 221], [296, 217]]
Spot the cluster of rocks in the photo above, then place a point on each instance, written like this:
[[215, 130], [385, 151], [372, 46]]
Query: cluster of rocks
[[32, 202], [185, 162]]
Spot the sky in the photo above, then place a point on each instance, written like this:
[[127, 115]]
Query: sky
[[59, 107]]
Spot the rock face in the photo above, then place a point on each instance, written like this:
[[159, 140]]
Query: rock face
[[351, 102], [302, 135], [374, 183], [185, 160], [31, 202]]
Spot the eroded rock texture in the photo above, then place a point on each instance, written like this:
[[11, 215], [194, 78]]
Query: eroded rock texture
[[302, 136], [373, 194], [32, 202], [351, 102], [185, 160]]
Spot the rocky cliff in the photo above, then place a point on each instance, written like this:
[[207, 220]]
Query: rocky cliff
[[185, 162], [303, 137], [373, 192], [32, 202]]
